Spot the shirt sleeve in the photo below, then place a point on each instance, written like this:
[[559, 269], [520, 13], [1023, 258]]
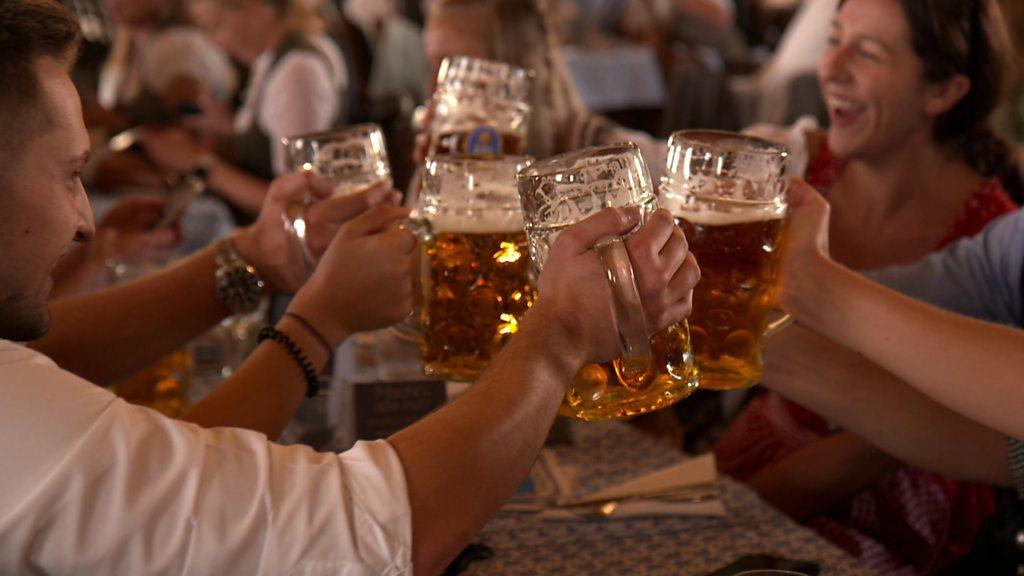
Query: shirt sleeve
[[186, 52], [978, 277], [118, 489], [300, 97]]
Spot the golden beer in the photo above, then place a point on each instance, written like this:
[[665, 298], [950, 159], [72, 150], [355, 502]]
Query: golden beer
[[734, 302], [477, 289], [607, 391], [727, 192], [163, 386], [600, 392]]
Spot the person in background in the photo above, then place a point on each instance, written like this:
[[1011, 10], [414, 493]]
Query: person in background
[[158, 68], [519, 32], [1009, 119], [125, 235], [297, 80], [934, 389], [166, 496], [908, 165]]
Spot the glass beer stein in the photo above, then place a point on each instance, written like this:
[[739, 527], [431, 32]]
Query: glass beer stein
[[353, 158], [654, 371], [475, 265], [728, 193], [480, 108]]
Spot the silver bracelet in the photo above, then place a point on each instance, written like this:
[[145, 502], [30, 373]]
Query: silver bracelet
[[1015, 455]]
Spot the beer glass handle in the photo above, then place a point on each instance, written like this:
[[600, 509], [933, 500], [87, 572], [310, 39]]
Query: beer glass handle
[[636, 363], [778, 324], [408, 328]]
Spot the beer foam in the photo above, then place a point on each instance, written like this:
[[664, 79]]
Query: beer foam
[[482, 222], [737, 214], [714, 218]]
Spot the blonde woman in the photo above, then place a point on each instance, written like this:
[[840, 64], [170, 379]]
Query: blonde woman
[[520, 32], [297, 80]]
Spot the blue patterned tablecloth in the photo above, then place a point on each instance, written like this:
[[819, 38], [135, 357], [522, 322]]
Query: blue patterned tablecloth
[[611, 452]]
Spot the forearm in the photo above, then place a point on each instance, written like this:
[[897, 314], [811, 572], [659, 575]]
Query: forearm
[[237, 186], [465, 460], [868, 401], [970, 366], [111, 334], [266, 390]]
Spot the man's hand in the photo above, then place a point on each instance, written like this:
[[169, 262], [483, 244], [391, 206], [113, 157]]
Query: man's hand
[[365, 278], [575, 298], [275, 252]]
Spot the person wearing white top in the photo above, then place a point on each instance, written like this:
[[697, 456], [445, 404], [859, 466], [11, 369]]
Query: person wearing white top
[[297, 85], [91, 485]]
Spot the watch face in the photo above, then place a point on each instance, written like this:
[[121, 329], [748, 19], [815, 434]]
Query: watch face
[[239, 287]]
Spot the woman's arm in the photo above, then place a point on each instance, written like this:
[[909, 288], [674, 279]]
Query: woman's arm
[[970, 366], [870, 402]]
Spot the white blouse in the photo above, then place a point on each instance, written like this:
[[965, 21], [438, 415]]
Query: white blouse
[[303, 93]]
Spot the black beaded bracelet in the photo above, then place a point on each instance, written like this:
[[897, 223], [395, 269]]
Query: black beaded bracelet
[[293, 350]]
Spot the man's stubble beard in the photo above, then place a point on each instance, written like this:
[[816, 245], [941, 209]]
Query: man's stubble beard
[[22, 321]]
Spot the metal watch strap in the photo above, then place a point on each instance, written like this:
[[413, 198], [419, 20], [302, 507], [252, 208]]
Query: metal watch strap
[[238, 286], [1015, 455]]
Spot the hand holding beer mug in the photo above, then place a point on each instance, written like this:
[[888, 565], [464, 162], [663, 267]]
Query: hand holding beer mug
[[354, 159], [479, 108], [653, 371], [475, 264], [727, 191]]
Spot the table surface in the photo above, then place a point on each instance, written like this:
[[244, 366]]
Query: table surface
[[610, 452]]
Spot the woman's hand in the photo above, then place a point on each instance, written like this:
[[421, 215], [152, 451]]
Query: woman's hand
[[805, 244]]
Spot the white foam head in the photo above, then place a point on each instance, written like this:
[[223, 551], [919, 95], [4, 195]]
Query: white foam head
[[698, 212], [478, 222]]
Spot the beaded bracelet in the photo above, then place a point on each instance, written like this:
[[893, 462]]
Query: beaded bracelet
[[293, 350], [312, 332]]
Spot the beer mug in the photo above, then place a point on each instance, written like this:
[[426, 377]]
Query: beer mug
[[474, 268], [728, 193], [353, 159], [480, 108], [654, 371]]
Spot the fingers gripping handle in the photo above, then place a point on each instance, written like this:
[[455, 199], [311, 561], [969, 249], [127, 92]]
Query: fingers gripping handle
[[635, 367]]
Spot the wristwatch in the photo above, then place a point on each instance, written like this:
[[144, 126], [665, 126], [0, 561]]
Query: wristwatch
[[238, 286]]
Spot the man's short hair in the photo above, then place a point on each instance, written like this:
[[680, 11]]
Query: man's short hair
[[29, 29]]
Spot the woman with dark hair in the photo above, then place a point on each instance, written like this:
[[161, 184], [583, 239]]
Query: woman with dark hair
[[908, 164]]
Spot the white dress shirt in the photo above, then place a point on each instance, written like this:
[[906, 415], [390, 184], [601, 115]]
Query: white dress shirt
[[300, 94], [92, 485]]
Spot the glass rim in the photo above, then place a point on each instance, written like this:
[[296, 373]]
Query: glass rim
[[364, 127], [511, 70], [463, 159], [698, 135], [561, 163]]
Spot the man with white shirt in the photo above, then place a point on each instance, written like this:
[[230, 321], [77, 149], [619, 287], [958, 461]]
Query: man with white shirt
[[92, 485]]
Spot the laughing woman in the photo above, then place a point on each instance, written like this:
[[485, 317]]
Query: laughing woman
[[907, 165]]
